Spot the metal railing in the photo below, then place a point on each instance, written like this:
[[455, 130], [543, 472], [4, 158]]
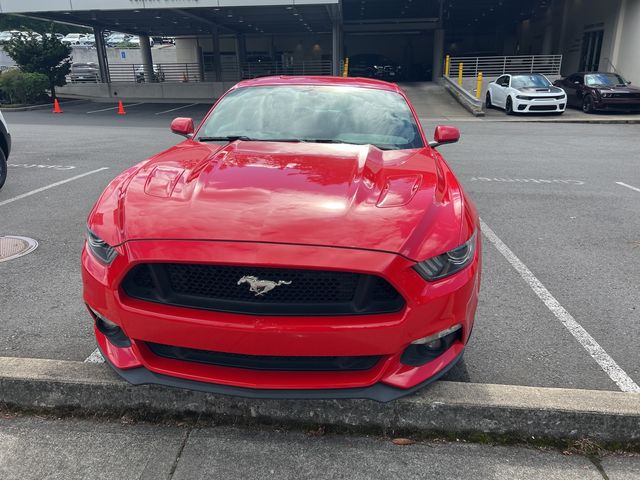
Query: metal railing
[[234, 71], [162, 72], [231, 71], [496, 66]]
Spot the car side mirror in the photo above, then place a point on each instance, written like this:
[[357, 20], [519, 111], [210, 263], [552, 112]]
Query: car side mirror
[[628, 82], [444, 134], [183, 126]]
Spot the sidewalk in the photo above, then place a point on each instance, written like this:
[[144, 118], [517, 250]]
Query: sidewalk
[[35, 448]]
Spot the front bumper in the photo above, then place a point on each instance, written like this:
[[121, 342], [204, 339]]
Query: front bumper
[[539, 105], [430, 308], [617, 104], [379, 392]]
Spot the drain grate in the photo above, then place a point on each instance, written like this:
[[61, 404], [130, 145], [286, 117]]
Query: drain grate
[[12, 247]]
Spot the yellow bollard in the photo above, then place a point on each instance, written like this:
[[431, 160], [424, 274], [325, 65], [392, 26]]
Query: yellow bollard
[[447, 64], [479, 85], [345, 73], [460, 74]]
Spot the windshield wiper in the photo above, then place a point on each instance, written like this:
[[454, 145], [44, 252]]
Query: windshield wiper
[[228, 138], [329, 140]]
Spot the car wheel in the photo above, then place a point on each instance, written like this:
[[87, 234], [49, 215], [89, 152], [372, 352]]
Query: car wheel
[[587, 104], [488, 103], [509, 106], [3, 168]]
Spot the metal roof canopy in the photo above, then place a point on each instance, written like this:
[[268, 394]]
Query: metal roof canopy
[[163, 17]]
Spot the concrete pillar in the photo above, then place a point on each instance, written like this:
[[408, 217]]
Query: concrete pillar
[[438, 54], [103, 63], [217, 64], [241, 52], [337, 47], [147, 59], [200, 64]]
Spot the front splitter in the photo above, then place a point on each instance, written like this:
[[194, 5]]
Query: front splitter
[[378, 392]]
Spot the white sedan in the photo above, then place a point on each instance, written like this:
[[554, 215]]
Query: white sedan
[[526, 93]]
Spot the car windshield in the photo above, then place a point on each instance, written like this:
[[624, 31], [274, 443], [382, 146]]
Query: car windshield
[[323, 114], [529, 81], [604, 79]]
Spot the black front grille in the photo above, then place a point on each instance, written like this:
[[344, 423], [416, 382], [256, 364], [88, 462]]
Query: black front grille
[[542, 108], [261, 362], [298, 292]]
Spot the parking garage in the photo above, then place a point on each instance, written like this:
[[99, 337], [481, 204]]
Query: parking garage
[[219, 42]]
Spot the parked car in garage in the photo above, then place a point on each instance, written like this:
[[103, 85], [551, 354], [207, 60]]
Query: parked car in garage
[[84, 72], [375, 66], [525, 93], [117, 38], [134, 41], [5, 149], [594, 91], [89, 40], [6, 36], [73, 38], [306, 241]]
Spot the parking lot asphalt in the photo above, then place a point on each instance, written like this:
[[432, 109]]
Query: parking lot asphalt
[[549, 192]]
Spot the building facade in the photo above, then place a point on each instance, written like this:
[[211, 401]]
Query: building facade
[[225, 39]]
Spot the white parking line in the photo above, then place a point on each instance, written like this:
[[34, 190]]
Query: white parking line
[[178, 108], [629, 186], [608, 364], [115, 108], [42, 189], [95, 357]]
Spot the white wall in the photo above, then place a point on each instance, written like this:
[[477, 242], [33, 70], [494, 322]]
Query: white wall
[[547, 35], [628, 58], [585, 15]]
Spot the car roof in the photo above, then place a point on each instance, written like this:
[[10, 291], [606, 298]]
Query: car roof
[[325, 81]]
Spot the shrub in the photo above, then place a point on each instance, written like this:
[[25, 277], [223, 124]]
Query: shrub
[[20, 87]]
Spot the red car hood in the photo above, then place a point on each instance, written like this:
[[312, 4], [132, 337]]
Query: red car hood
[[350, 196]]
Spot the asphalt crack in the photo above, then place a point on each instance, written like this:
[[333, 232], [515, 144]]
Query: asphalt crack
[[597, 462], [174, 466]]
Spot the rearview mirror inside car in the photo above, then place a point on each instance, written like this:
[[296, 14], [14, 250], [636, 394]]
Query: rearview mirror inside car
[[183, 126], [444, 134]]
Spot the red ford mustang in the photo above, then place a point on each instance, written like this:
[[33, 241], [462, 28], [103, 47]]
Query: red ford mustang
[[306, 241]]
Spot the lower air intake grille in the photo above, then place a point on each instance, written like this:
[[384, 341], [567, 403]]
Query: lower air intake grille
[[262, 291], [258, 362]]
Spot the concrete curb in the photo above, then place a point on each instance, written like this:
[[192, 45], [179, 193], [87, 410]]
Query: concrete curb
[[457, 93], [450, 407]]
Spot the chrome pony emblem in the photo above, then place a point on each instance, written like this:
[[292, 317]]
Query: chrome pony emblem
[[260, 287]]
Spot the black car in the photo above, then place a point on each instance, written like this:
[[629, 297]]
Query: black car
[[593, 91], [374, 66], [5, 149]]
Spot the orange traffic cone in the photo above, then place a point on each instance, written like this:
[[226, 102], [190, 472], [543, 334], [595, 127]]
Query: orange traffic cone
[[56, 106], [121, 108]]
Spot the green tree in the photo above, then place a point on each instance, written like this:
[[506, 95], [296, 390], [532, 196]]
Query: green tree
[[41, 54]]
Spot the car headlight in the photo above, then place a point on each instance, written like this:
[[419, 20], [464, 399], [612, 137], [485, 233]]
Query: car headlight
[[606, 95], [448, 263], [523, 97], [100, 249]]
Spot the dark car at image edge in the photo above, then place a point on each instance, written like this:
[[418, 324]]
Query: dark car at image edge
[[600, 91], [5, 149]]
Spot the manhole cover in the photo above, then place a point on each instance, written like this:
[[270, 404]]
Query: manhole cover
[[12, 247]]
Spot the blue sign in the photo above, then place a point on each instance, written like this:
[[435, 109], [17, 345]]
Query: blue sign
[[123, 55]]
